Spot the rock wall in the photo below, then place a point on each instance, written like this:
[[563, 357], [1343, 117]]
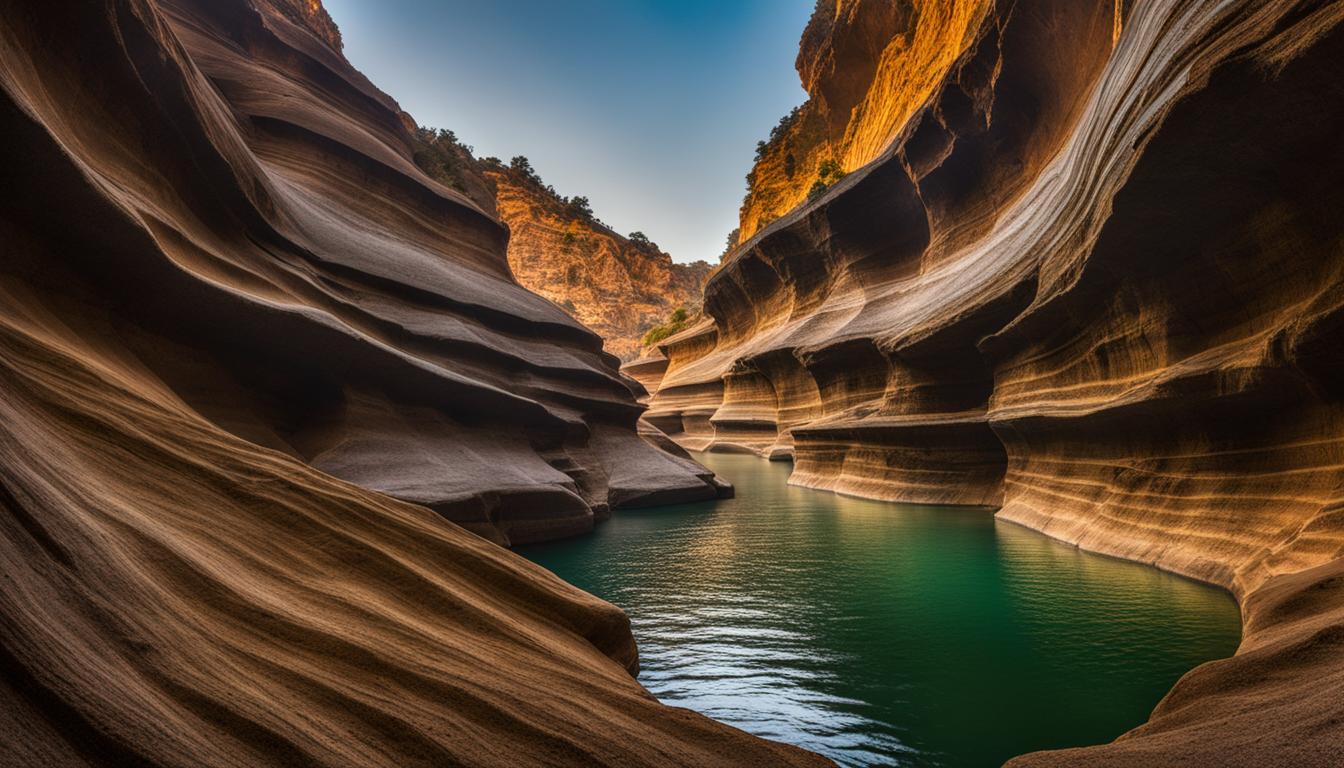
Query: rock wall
[[239, 332], [866, 66], [396, 349], [1096, 282], [615, 286]]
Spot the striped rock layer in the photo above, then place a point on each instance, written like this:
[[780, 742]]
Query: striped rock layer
[[252, 362], [1096, 283]]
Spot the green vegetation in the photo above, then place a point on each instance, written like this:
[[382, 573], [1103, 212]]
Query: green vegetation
[[576, 207], [643, 243], [442, 157], [676, 323], [828, 173], [733, 240], [777, 137], [777, 133], [523, 167]]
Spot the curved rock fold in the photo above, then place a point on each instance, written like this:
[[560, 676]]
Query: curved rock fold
[[1095, 282], [252, 362]]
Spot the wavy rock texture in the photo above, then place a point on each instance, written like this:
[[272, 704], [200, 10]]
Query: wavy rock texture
[[312, 291], [224, 286], [1097, 281], [617, 287], [866, 66]]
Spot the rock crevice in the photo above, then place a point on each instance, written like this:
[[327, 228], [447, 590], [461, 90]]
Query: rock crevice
[[1094, 282]]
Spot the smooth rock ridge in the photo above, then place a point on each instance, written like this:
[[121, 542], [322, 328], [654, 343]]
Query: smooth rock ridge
[[1097, 281], [226, 291], [314, 292]]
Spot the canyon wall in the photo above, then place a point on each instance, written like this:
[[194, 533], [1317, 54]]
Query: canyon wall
[[1096, 282], [343, 309], [252, 361], [618, 287], [866, 68]]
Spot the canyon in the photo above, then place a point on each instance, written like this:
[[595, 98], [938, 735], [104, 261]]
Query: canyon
[[270, 400], [273, 401], [1095, 283]]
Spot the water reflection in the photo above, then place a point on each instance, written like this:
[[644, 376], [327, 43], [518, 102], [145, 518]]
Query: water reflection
[[890, 634]]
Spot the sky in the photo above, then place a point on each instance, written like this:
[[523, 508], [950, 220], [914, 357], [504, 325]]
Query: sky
[[650, 108]]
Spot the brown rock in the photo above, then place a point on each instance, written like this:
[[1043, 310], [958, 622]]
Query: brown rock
[[225, 285], [1096, 281], [615, 286], [867, 66]]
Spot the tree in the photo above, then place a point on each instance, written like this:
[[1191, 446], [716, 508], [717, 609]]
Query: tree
[[642, 241], [733, 237], [578, 207], [828, 173], [523, 167], [676, 323], [441, 156]]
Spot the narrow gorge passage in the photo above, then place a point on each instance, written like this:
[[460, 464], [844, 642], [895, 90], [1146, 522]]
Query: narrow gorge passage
[[881, 633], [345, 346]]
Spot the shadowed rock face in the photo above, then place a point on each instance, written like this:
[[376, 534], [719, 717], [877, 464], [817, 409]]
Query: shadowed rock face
[[278, 263], [615, 286], [866, 65], [224, 286], [1097, 282]]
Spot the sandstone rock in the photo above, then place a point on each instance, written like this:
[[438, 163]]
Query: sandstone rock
[[613, 285], [866, 66], [1096, 281], [225, 285]]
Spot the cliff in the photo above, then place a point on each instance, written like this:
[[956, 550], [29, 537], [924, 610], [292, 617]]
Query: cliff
[[616, 286], [1096, 282], [866, 68], [252, 362]]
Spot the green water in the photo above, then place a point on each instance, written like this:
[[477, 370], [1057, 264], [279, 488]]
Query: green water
[[881, 634]]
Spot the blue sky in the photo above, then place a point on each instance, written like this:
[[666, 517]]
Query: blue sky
[[650, 108]]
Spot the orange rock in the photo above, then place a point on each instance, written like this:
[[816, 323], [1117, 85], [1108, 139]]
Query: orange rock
[[615, 286]]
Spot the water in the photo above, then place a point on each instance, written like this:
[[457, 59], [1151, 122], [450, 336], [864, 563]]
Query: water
[[880, 634]]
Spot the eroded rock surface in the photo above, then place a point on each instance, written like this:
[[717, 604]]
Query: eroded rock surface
[[226, 290], [866, 66], [1097, 282], [616, 286]]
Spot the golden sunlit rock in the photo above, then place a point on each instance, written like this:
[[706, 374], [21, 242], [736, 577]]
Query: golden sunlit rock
[[1096, 281], [616, 286], [252, 363], [867, 66]]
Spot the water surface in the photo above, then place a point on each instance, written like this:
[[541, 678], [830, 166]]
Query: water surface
[[890, 634]]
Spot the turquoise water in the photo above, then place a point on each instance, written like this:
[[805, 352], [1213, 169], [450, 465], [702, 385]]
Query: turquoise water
[[889, 634]]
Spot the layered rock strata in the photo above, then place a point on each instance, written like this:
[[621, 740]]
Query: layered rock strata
[[1097, 281], [866, 68], [347, 310], [239, 332], [616, 286]]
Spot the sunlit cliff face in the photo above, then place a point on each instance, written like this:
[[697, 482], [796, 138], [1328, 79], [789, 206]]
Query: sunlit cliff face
[[866, 71], [616, 286]]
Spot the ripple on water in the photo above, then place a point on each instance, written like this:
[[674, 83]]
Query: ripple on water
[[885, 634]]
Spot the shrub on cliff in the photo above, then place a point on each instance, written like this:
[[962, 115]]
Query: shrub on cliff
[[642, 242], [523, 167], [828, 173], [733, 238], [441, 156], [777, 133], [676, 323], [578, 207]]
